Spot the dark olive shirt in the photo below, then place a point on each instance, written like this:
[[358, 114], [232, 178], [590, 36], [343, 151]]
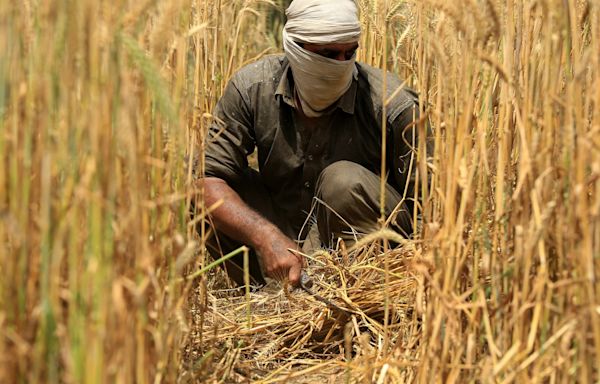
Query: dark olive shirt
[[257, 111]]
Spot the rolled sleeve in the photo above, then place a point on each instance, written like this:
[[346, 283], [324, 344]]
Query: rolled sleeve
[[405, 145], [230, 136], [403, 151]]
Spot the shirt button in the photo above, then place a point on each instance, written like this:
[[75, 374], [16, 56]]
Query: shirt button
[[307, 184], [310, 157]]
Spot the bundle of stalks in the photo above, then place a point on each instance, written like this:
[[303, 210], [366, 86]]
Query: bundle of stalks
[[353, 310]]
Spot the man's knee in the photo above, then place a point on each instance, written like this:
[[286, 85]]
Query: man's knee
[[350, 196], [340, 182]]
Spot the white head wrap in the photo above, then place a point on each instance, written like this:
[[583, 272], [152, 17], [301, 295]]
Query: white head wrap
[[320, 81]]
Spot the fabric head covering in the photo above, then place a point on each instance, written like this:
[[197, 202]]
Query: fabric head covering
[[320, 81]]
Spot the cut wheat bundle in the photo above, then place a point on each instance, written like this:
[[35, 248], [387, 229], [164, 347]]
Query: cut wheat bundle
[[292, 328]]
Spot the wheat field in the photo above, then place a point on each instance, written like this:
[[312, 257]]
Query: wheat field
[[104, 278]]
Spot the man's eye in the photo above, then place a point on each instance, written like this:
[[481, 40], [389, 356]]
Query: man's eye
[[349, 55]]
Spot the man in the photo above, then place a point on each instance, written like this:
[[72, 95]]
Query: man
[[315, 117]]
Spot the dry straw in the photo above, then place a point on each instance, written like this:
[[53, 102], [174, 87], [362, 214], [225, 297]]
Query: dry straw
[[291, 329]]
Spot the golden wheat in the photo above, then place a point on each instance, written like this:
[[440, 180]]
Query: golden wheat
[[104, 107]]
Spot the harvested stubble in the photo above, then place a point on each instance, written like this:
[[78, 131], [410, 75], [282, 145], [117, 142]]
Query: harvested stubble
[[290, 332]]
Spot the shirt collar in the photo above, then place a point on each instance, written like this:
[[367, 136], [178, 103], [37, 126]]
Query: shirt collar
[[346, 102]]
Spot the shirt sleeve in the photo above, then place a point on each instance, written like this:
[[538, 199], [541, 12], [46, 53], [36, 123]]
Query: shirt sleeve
[[230, 136], [404, 142]]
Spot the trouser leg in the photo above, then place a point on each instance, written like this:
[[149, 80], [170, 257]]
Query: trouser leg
[[349, 207], [253, 192]]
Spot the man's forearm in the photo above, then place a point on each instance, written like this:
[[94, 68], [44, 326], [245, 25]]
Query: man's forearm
[[234, 217], [240, 222]]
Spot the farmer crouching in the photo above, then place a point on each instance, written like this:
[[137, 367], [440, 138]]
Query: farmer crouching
[[314, 115]]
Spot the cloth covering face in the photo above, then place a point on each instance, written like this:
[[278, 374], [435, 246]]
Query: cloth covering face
[[320, 81]]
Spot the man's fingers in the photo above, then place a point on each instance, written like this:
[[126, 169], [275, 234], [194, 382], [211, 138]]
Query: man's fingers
[[294, 274], [280, 275], [301, 259]]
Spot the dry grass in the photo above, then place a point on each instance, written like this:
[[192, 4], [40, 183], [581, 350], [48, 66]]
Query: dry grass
[[292, 333], [102, 104]]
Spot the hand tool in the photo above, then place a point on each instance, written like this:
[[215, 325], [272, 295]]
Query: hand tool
[[306, 284]]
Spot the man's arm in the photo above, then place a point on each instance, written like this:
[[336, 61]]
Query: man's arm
[[237, 220]]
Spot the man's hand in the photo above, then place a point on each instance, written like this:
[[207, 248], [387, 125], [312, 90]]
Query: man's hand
[[278, 261], [240, 222]]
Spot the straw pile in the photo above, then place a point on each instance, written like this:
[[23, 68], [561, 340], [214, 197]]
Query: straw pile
[[277, 333]]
